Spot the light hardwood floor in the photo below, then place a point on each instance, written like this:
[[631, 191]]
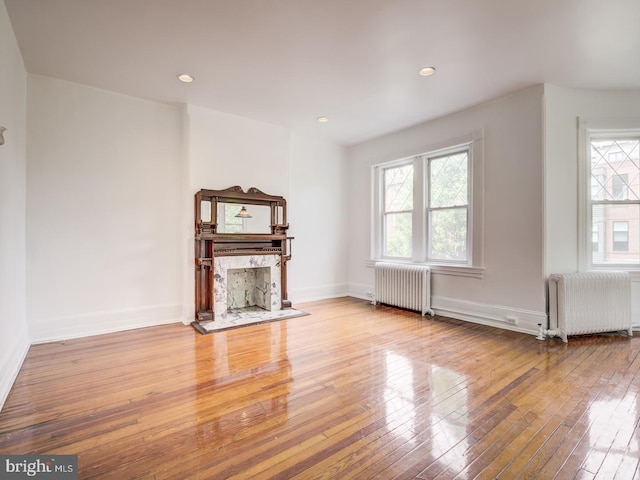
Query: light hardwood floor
[[350, 392]]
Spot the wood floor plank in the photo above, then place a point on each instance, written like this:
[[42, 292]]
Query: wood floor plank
[[351, 391]]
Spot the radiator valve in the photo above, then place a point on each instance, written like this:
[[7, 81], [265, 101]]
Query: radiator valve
[[543, 332]]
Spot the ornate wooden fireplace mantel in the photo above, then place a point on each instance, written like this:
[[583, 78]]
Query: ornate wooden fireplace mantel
[[221, 230]]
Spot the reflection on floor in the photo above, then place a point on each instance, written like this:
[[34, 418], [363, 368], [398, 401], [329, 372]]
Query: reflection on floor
[[246, 316]]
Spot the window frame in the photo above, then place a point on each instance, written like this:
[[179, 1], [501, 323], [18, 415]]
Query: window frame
[[473, 143], [588, 130]]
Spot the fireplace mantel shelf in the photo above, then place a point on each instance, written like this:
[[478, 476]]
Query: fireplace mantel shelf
[[239, 252], [240, 237]]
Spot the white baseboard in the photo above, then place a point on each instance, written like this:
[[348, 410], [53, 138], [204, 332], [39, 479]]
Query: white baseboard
[[10, 363], [526, 321], [360, 290], [97, 323], [320, 292]]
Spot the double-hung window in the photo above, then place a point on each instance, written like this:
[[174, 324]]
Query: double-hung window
[[610, 172], [398, 210], [448, 189], [424, 208]]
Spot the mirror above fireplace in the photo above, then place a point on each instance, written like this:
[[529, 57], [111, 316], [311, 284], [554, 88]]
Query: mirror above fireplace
[[233, 211], [233, 218]]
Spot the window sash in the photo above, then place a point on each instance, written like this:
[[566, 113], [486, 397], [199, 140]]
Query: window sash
[[394, 243], [397, 245], [456, 249], [437, 254]]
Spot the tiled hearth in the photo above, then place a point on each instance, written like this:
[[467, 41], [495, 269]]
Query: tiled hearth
[[247, 316]]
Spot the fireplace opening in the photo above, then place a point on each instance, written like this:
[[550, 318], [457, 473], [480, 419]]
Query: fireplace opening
[[246, 283], [249, 289]]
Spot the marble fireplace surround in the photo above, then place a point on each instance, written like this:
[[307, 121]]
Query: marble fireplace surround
[[240, 281]]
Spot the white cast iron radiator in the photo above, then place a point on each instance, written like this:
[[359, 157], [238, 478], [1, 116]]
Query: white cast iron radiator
[[592, 302], [404, 286]]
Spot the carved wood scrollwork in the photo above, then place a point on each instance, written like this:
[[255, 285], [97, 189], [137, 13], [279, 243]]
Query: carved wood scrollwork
[[235, 188]]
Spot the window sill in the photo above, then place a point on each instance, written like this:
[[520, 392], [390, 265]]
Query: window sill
[[453, 270]]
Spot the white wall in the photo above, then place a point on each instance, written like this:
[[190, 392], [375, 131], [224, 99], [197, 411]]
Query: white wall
[[227, 150], [318, 218], [104, 211], [513, 282], [563, 107], [14, 335]]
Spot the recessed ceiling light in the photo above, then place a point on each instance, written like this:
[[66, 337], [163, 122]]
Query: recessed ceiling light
[[323, 119], [427, 71], [185, 77]]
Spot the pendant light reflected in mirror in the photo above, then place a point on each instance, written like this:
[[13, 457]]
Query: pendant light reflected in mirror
[[243, 213]]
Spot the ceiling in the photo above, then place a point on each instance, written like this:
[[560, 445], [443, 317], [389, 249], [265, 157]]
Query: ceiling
[[287, 62]]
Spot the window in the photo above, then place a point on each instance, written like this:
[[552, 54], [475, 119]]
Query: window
[[595, 239], [620, 236], [448, 206], [610, 206], [619, 186], [425, 210], [398, 210], [615, 156]]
